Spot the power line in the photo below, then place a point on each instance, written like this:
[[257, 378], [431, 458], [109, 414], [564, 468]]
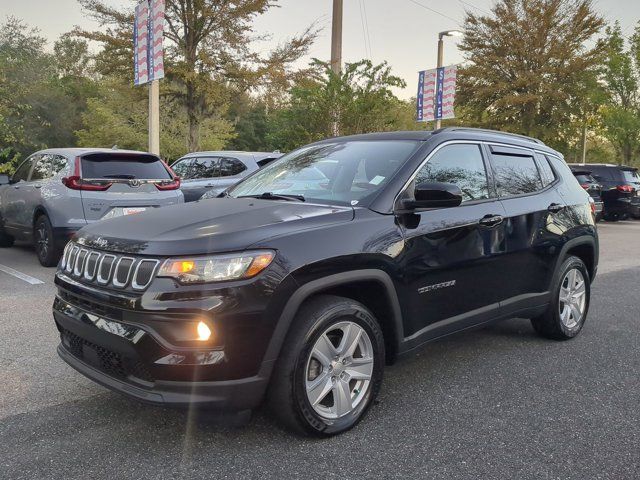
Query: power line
[[475, 6], [435, 11], [367, 47]]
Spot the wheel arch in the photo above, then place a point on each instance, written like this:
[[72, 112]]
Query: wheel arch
[[586, 249], [382, 300]]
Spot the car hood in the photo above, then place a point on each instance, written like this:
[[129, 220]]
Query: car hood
[[208, 226]]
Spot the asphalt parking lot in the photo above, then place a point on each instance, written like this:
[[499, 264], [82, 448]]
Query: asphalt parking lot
[[493, 403]]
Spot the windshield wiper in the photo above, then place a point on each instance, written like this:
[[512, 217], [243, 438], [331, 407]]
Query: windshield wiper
[[275, 196]]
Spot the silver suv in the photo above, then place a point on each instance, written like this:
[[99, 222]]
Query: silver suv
[[212, 172], [55, 192]]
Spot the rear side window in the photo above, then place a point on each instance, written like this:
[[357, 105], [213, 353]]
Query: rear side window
[[231, 166], [585, 178], [207, 167], [548, 175], [630, 176], [106, 165], [461, 165], [182, 167], [602, 173], [48, 166], [515, 175]]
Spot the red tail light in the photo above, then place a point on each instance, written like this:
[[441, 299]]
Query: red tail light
[[75, 182], [173, 184], [585, 186], [625, 188]]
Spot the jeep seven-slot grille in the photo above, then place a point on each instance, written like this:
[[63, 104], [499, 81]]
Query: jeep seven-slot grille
[[108, 269]]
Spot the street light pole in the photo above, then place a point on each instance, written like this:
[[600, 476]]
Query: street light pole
[[336, 54], [441, 35]]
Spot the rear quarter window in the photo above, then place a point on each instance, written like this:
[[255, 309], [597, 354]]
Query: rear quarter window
[[102, 165]]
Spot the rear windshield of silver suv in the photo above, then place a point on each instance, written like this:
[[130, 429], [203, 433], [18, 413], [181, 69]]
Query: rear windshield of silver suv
[[124, 166]]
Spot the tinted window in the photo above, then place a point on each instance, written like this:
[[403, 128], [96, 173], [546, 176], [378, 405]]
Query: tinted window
[[181, 168], [48, 166], [358, 171], [205, 168], [548, 176], [22, 173], [630, 176], [582, 178], [108, 165], [515, 175], [231, 166], [461, 165], [601, 173]]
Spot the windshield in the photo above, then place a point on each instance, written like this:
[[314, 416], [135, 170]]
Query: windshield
[[344, 173], [631, 176]]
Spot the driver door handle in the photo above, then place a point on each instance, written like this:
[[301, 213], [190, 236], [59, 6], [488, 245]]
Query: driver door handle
[[555, 208], [491, 221]]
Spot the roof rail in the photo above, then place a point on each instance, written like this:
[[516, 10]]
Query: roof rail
[[485, 130]]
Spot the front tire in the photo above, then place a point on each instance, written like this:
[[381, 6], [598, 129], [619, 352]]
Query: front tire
[[331, 367], [571, 292], [45, 245]]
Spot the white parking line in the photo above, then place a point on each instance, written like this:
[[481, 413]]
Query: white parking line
[[20, 275]]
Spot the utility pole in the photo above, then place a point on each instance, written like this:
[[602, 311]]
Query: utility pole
[[584, 143], [154, 117], [336, 54], [336, 37]]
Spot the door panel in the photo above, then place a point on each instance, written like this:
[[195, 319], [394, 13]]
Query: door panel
[[451, 258], [16, 216]]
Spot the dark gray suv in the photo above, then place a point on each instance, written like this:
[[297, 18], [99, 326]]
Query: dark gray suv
[[212, 172], [55, 192]]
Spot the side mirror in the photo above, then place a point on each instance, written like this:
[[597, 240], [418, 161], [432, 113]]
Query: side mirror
[[4, 179], [434, 195]]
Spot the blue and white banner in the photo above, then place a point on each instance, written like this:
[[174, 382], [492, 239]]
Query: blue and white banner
[[436, 94]]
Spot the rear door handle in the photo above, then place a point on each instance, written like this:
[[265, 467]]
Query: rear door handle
[[491, 221], [555, 208], [37, 185]]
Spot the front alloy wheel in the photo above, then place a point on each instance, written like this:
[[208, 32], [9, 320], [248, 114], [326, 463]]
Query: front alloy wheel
[[339, 370], [330, 369]]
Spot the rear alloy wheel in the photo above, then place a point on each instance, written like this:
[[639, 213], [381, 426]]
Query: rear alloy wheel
[[567, 313], [330, 370], [48, 254]]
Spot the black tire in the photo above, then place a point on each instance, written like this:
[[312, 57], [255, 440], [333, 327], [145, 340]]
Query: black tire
[[44, 241], [612, 217], [6, 240], [287, 394], [550, 324]]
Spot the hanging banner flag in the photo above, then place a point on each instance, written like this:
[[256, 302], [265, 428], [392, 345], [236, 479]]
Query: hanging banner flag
[[156, 38], [436, 94], [148, 38], [141, 44]]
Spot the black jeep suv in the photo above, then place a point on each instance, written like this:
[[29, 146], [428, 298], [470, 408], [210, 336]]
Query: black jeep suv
[[303, 280]]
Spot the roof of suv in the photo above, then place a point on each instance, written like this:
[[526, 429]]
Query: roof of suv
[[233, 152], [466, 132], [84, 151], [609, 165]]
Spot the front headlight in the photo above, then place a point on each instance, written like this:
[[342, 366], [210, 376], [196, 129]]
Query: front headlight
[[216, 268]]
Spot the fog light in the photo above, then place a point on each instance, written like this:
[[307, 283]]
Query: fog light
[[204, 332]]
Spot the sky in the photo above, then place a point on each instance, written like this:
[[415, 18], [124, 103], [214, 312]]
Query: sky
[[402, 32]]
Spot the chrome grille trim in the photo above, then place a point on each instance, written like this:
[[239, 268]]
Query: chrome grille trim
[[92, 275], [115, 281], [100, 279], [134, 282], [122, 272]]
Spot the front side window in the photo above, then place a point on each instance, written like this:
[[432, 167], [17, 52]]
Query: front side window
[[461, 165], [22, 173], [340, 173], [515, 175]]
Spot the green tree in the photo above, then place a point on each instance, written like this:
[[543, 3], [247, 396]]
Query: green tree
[[621, 77], [208, 53], [529, 65], [359, 98]]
